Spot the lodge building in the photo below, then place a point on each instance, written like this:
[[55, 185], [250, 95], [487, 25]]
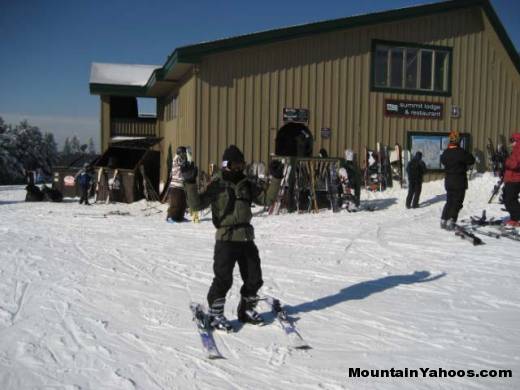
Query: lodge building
[[404, 76]]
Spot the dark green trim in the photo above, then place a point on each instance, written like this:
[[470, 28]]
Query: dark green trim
[[374, 88], [282, 34], [117, 90]]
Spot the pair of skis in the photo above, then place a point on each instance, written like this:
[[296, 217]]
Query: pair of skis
[[205, 331], [464, 233], [478, 224]]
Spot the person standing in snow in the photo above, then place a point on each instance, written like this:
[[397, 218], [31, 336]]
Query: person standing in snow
[[512, 183], [456, 162], [230, 194], [415, 170], [84, 180], [353, 175], [176, 194]]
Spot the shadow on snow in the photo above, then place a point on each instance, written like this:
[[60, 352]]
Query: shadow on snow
[[363, 290]]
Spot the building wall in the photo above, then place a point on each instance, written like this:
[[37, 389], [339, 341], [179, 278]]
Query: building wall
[[240, 94], [176, 118], [105, 122]]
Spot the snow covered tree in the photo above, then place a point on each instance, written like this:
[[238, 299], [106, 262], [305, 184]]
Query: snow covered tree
[[11, 170], [50, 151], [67, 150], [24, 148], [75, 145], [91, 147]]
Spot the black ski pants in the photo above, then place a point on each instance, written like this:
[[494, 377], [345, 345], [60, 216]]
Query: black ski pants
[[177, 200], [511, 191], [414, 193], [226, 254], [454, 203], [83, 195]]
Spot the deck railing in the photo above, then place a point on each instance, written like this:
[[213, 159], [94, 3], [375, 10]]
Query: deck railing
[[133, 127]]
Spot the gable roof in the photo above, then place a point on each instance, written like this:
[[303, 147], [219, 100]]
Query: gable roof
[[182, 58]]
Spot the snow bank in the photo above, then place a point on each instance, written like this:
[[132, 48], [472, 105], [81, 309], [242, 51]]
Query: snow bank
[[94, 300]]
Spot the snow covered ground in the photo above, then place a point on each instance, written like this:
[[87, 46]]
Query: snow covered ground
[[94, 302]]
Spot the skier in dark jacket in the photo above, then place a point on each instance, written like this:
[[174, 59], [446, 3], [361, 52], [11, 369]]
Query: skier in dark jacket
[[456, 162], [512, 183], [415, 170], [84, 180], [230, 195]]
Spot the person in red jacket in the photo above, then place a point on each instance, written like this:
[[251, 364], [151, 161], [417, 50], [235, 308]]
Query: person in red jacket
[[512, 182]]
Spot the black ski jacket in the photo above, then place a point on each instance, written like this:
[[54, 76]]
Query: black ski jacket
[[416, 169], [456, 162]]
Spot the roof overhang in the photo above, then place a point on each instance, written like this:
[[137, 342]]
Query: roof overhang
[[120, 79]]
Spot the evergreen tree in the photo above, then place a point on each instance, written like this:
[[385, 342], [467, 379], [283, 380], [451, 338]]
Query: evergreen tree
[[75, 145], [11, 170], [50, 151], [91, 147], [67, 150]]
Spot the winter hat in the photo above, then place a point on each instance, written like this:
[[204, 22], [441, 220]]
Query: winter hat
[[232, 154], [349, 155], [454, 136], [515, 137]]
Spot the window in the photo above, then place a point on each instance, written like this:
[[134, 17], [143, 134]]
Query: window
[[381, 68], [396, 67], [411, 68]]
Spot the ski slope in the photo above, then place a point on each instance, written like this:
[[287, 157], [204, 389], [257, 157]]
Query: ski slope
[[95, 302]]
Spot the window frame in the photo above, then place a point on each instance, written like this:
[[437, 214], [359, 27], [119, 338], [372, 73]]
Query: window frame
[[411, 45]]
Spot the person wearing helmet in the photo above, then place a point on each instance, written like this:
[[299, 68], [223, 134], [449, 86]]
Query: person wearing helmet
[[415, 170], [176, 194], [512, 183], [230, 195], [456, 162]]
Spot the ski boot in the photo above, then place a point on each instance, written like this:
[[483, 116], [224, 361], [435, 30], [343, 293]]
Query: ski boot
[[511, 224], [448, 224], [216, 317], [246, 311]]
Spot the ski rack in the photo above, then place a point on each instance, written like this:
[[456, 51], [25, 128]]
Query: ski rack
[[308, 177]]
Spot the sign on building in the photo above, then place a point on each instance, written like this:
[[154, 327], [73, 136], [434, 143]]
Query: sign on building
[[295, 115], [410, 109]]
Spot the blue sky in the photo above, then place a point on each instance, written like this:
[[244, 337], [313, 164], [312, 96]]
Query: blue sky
[[47, 47]]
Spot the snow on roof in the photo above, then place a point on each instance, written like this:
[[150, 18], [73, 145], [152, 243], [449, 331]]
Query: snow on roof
[[121, 74]]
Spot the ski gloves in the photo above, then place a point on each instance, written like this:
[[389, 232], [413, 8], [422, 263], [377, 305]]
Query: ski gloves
[[189, 172], [276, 169]]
